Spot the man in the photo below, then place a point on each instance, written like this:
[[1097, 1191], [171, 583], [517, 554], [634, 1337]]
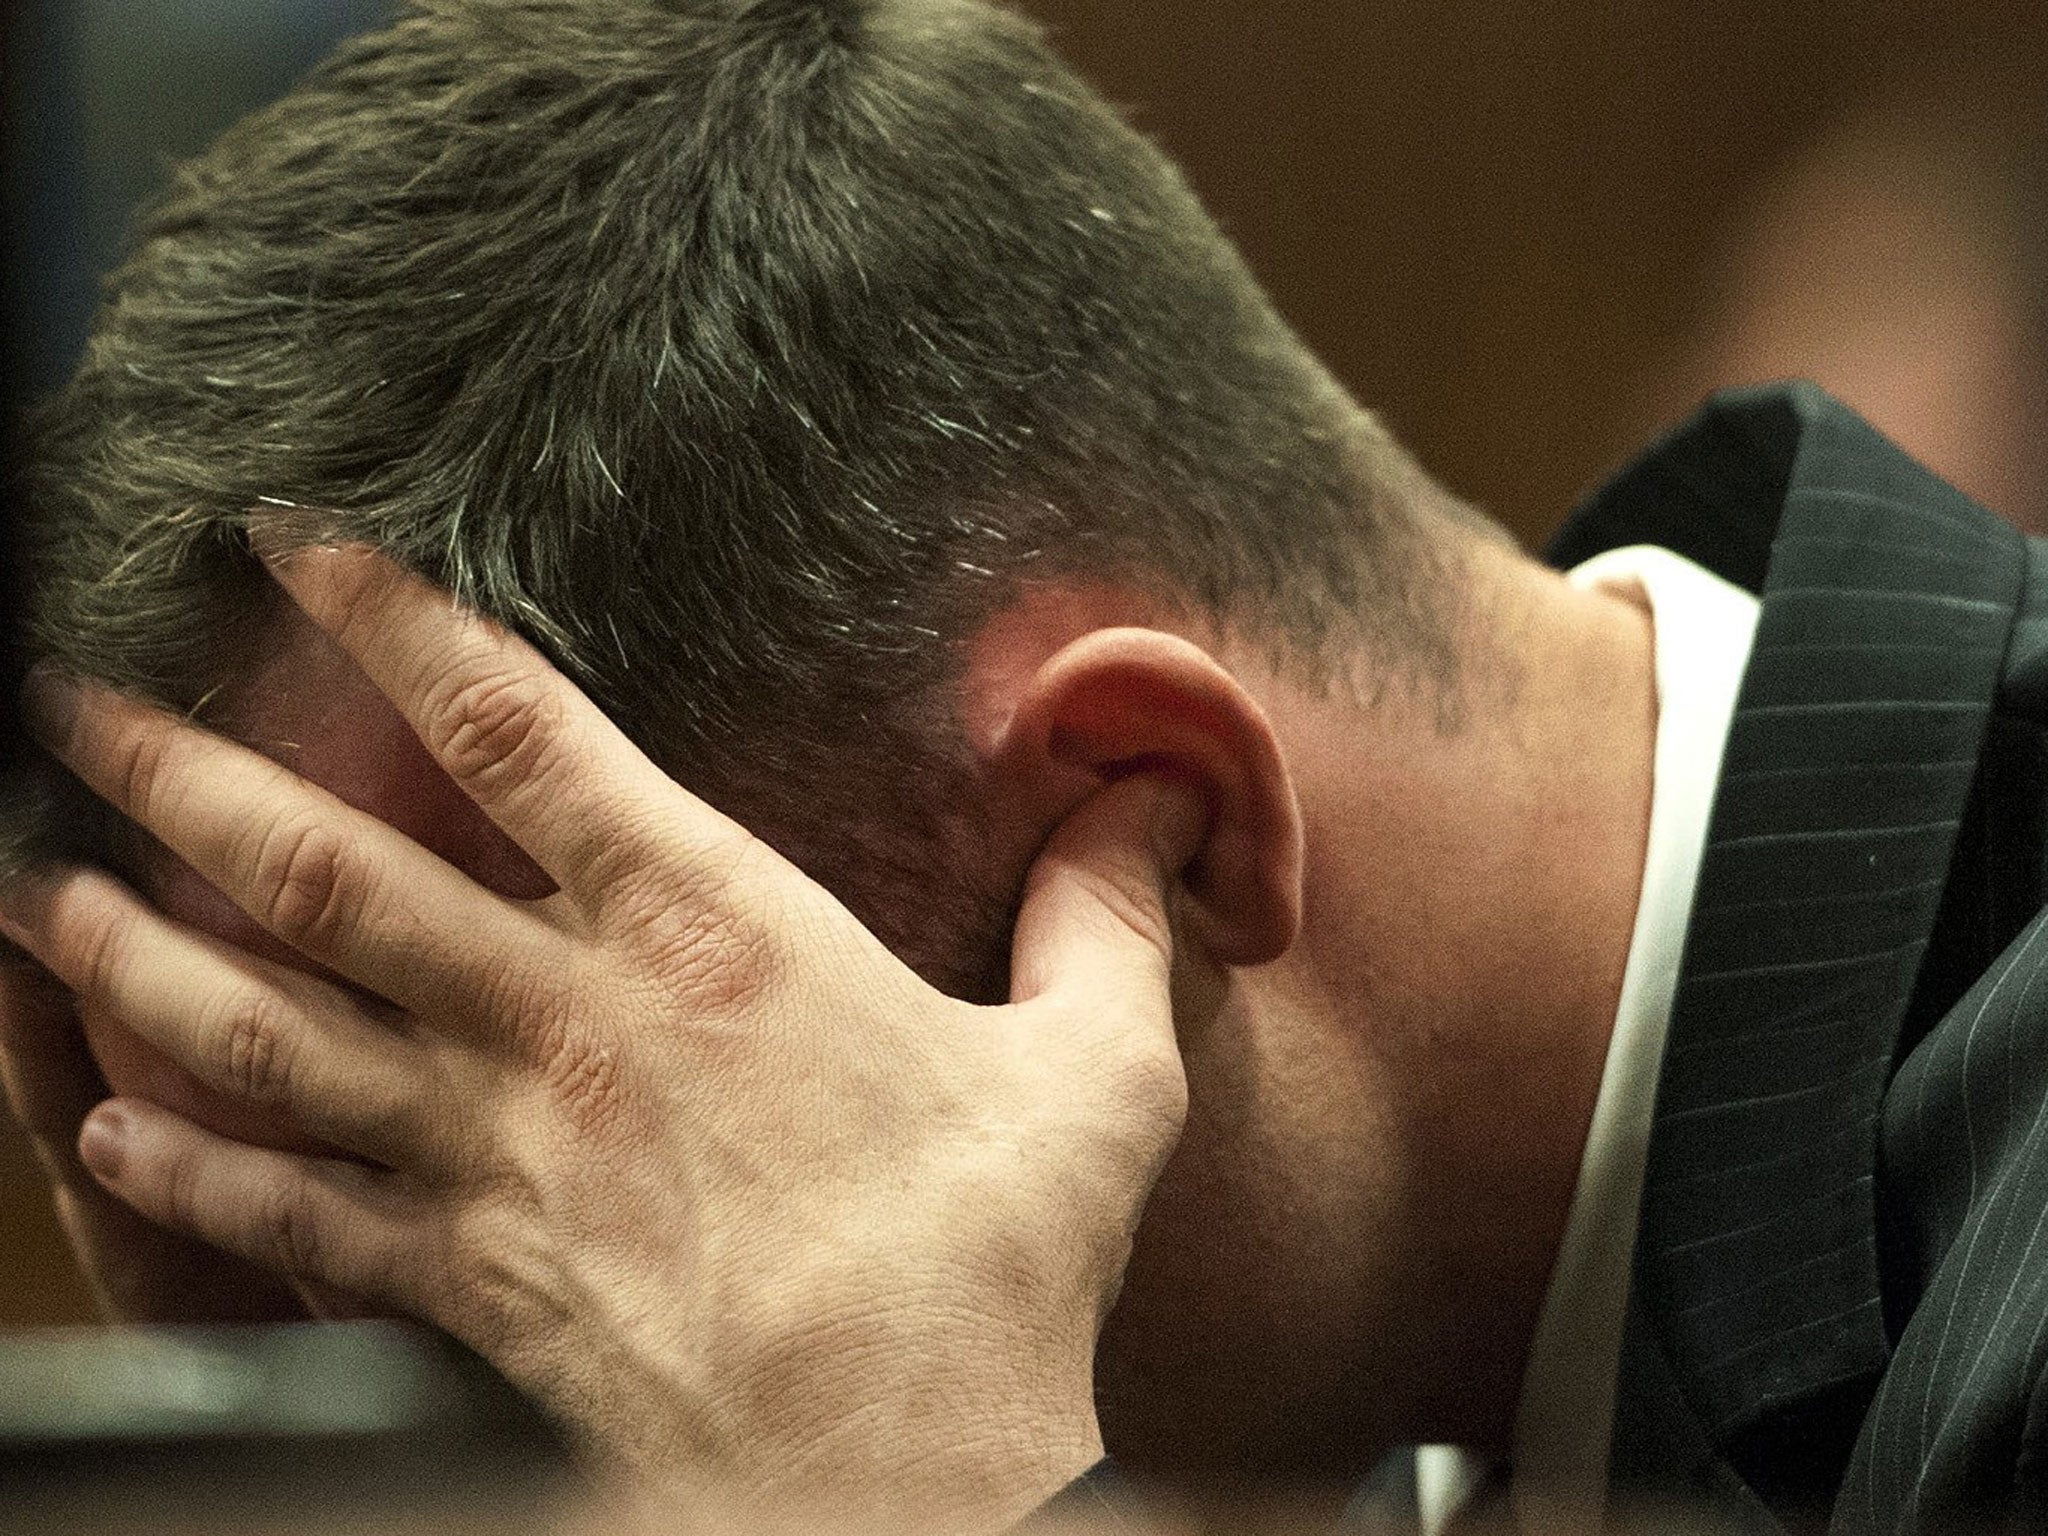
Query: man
[[879, 433]]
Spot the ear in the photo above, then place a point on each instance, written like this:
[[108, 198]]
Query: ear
[[1121, 701]]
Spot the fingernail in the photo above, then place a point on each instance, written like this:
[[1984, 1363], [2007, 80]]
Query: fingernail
[[49, 704], [103, 1140]]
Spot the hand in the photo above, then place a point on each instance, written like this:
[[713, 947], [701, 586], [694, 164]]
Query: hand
[[681, 1148], [139, 1272]]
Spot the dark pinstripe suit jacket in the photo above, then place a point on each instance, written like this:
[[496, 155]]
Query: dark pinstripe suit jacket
[[1840, 1307]]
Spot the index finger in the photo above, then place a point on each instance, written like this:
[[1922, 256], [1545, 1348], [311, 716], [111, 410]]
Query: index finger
[[521, 740]]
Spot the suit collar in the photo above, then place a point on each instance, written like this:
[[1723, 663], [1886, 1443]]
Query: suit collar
[[1888, 599], [1712, 491]]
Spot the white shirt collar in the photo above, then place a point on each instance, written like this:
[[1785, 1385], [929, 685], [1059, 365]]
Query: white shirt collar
[[1704, 628]]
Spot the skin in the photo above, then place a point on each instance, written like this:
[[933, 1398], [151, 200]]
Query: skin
[[1395, 954]]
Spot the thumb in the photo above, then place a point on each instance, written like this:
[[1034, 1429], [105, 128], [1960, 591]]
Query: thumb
[[1094, 926]]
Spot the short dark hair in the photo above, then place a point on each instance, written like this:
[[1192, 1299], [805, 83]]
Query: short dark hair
[[746, 355]]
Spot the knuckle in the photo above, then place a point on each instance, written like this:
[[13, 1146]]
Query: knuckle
[[304, 883], [720, 963], [94, 947], [716, 936], [257, 1052], [578, 1078], [1132, 1113], [1128, 1084], [139, 760], [493, 729], [1132, 902], [582, 1082], [510, 1284], [288, 1232], [1154, 1084]]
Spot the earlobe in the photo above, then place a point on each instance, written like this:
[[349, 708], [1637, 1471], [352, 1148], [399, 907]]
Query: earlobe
[[1121, 701]]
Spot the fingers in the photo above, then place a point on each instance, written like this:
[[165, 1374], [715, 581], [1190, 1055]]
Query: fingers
[[336, 884], [521, 740], [270, 1039], [1094, 929], [140, 1272], [336, 1224]]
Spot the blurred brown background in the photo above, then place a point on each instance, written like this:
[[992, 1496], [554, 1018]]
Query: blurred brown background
[[1528, 235]]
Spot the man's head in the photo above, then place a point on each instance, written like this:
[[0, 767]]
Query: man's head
[[878, 429], [748, 356]]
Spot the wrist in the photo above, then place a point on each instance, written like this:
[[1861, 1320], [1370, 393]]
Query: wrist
[[963, 1471], [1020, 1472]]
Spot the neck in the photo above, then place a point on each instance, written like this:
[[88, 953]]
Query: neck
[[1473, 913]]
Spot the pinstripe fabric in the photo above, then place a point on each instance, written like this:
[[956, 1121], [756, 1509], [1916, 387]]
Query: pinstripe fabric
[[1886, 611], [1958, 1424], [1786, 1347]]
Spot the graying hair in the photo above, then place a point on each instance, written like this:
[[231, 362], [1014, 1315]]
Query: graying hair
[[746, 355]]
